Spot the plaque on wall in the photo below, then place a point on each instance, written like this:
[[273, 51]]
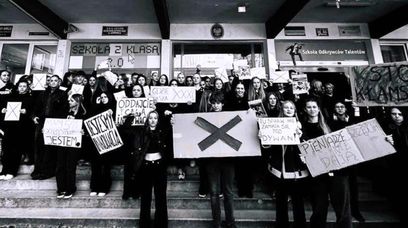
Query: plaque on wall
[[5, 31], [322, 32], [217, 31], [114, 30]]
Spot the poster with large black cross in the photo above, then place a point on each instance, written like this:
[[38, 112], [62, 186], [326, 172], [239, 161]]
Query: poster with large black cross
[[216, 134]]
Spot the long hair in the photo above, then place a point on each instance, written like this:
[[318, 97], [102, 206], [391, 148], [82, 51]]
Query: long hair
[[141, 87], [252, 93], [80, 100], [278, 104], [146, 124], [322, 122], [167, 80], [281, 109]]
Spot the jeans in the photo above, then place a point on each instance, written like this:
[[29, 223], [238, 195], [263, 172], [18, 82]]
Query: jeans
[[67, 159], [220, 178]]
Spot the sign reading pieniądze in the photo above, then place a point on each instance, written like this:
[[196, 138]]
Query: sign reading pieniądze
[[349, 146], [170, 94], [103, 132], [380, 85], [278, 131], [63, 132], [216, 134], [136, 107]]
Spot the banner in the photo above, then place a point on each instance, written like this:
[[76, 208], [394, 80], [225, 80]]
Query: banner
[[380, 85], [216, 134], [13, 111], [300, 84], [103, 132], [349, 146], [278, 131], [164, 94], [136, 107], [63, 132]]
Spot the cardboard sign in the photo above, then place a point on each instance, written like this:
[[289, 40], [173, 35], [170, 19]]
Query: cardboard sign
[[380, 85], [349, 146], [221, 73], [77, 89], [110, 77], [300, 84], [280, 76], [163, 94], [216, 134], [63, 132], [241, 68], [259, 72], [103, 131], [137, 107], [13, 111], [39, 81], [278, 131], [146, 90], [17, 77], [120, 95], [257, 105]]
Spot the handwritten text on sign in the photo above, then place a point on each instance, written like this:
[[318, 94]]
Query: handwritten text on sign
[[278, 131], [380, 85], [173, 94], [136, 107], [63, 132], [103, 132]]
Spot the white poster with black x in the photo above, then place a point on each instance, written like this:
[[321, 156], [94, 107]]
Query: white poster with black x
[[13, 111], [39, 81]]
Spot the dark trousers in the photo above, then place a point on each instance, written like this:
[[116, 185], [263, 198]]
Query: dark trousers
[[295, 189], [220, 179], [101, 175], [131, 182], [154, 176], [12, 153], [338, 189], [245, 169], [67, 159], [44, 156], [203, 189]]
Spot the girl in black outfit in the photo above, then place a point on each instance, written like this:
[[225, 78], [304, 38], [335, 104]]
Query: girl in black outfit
[[68, 157], [154, 173], [290, 176], [272, 104]]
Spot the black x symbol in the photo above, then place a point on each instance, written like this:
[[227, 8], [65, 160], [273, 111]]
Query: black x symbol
[[13, 111], [218, 133]]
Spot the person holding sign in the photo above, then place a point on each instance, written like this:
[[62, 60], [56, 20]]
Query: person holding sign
[[290, 173], [256, 90], [153, 172], [15, 130], [334, 184]]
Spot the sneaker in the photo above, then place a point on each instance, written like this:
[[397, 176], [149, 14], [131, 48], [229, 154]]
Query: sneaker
[[8, 177], [68, 196], [202, 195], [101, 194], [60, 195], [181, 175], [93, 194], [221, 196]]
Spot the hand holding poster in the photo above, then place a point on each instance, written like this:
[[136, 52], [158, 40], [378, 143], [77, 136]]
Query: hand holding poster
[[136, 107], [278, 131], [103, 132], [13, 111], [346, 147], [300, 84], [63, 132], [257, 105], [164, 94], [110, 77]]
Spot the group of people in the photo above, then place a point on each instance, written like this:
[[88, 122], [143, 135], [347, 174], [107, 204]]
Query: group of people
[[148, 149]]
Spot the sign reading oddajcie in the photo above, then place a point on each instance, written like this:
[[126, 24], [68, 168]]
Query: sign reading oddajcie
[[380, 85], [139, 108], [63, 132], [346, 147], [103, 132]]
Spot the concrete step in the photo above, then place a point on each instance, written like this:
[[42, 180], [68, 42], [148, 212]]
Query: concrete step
[[101, 217]]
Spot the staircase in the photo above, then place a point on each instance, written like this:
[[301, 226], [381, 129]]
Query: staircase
[[32, 203]]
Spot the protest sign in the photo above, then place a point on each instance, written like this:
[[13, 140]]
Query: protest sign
[[63, 132], [103, 132], [136, 107], [13, 111], [77, 89], [279, 76], [242, 68], [257, 105], [380, 85], [300, 84], [120, 95], [170, 94], [216, 134], [221, 73], [110, 77], [349, 146], [146, 90], [278, 131], [17, 78], [259, 72], [39, 81]]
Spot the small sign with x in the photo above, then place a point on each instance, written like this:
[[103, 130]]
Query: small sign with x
[[13, 111]]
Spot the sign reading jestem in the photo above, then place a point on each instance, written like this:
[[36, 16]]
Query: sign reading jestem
[[114, 30]]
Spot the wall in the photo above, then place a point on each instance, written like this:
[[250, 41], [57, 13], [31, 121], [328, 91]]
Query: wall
[[399, 34]]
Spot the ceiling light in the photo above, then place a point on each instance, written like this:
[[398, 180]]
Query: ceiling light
[[241, 9], [350, 3]]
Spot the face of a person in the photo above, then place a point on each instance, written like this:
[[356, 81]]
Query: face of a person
[[5, 76], [173, 83], [141, 81], [272, 100], [79, 79], [231, 79], [196, 79], [340, 109], [240, 90], [217, 106], [396, 116], [218, 84], [162, 80], [104, 98], [72, 103], [22, 87], [92, 81], [311, 109], [155, 77], [202, 84], [180, 78], [134, 79], [208, 81], [153, 119], [329, 89], [288, 109], [256, 83], [54, 81], [137, 91], [280, 86], [189, 81]]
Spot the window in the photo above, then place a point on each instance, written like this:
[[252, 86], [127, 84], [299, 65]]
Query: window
[[393, 53]]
